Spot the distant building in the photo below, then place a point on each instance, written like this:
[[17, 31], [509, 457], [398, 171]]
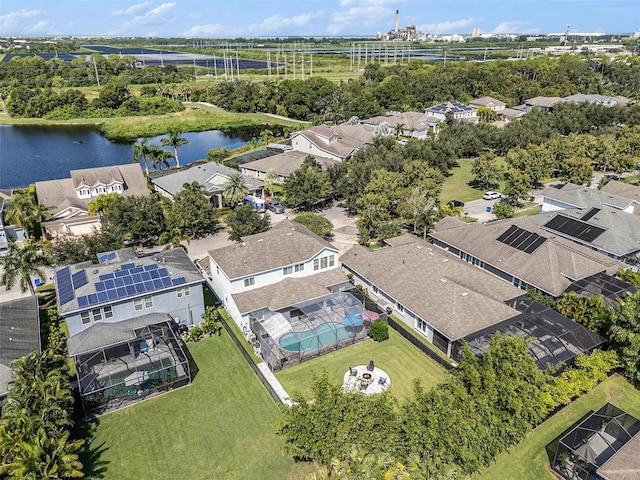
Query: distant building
[[338, 143], [475, 33], [601, 100], [546, 103], [488, 102]]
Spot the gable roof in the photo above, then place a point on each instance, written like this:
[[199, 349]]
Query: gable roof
[[212, 176], [62, 193], [623, 189], [343, 146], [545, 102], [591, 98], [85, 285], [286, 243], [453, 296], [584, 197], [289, 291], [487, 102], [451, 106], [552, 267], [286, 163], [408, 119], [19, 334]]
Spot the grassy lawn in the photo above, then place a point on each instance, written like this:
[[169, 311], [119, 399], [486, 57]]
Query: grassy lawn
[[396, 356], [219, 427], [456, 186], [528, 460]]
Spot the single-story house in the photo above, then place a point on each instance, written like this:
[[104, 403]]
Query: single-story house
[[488, 102], [625, 190], [414, 124], [572, 196], [284, 164]]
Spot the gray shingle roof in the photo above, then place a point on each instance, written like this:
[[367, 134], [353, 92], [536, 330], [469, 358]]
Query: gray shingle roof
[[623, 189], [212, 176], [486, 102], [453, 296], [286, 163], [544, 102], [288, 292], [19, 333], [408, 119], [551, 268], [343, 146], [104, 334], [286, 243], [584, 197], [625, 463]]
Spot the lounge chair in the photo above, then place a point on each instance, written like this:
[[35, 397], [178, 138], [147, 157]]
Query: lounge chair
[[370, 367], [382, 381], [353, 372]]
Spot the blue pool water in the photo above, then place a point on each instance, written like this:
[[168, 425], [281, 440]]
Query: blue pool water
[[324, 334]]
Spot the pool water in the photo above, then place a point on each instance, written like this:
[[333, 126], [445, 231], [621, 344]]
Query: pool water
[[324, 334]]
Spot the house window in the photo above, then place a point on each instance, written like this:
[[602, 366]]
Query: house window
[[316, 264], [400, 308], [84, 316], [421, 325], [375, 290], [116, 188], [249, 281], [101, 190], [323, 262], [217, 270], [96, 313], [299, 267], [332, 260], [85, 192], [287, 270], [148, 301], [108, 312], [137, 304], [183, 292]]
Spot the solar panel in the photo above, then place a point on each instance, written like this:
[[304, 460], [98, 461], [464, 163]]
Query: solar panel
[[146, 276], [521, 239], [122, 292], [128, 280], [112, 294], [102, 296], [153, 266], [140, 288], [79, 279], [590, 214], [154, 274], [163, 272], [106, 276], [93, 298], [179, 281], [131, 290], [136, 277], [122, 273], [108, 284], [149, 286], [82, 301], [574, 228], [65, 286], [128, 266], [166, 281], [105, 257], [157, 283], [100, 286], [136, 270]]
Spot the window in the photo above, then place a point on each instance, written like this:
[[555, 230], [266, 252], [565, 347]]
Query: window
[[217, 270], [85, 192], [148, 301], [323, 262], [375, 290], [183, 291], [400, 308], [96, 313], [108, 312], [421, 325], [137, 304], [249, 281], [299, 267], [101, 190], [332, 260], [287, 270], [116, 188], [84, 316], [316, 264]]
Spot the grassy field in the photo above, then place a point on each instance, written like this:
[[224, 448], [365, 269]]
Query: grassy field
[[219, 427], [396, 356], [528, 460], [456, 186]]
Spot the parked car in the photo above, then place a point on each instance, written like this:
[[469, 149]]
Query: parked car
[[491, 195], [275, 206], [456, 203]]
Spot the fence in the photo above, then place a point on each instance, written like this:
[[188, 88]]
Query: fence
[[250, 361], [418, 344]]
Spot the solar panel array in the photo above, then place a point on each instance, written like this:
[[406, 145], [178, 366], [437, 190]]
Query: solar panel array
[[590, 214], [105, 257], [79, 279], [65, 285], [574, 228], [128, 281], [523, 240]]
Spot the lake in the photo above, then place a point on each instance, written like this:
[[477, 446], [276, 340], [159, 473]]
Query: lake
[[35, 153]]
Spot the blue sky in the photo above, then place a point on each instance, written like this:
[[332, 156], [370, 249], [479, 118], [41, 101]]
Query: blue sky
[[264, 18]]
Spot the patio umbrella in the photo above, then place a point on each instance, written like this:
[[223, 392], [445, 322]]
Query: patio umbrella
[[136, 378], [352, 320], [370, 316]]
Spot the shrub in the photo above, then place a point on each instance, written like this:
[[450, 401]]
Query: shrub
[[380, 330], [195, 334]]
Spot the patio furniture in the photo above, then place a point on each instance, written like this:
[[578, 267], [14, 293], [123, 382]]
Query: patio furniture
[[353, 372], [382, 381], [370, 367]]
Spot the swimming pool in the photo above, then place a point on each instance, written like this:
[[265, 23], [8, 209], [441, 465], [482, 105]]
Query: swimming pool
[[314, 339]]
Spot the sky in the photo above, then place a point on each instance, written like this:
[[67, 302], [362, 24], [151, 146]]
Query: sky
[[269, 18]]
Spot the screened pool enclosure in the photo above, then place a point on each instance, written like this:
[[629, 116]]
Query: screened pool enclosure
[[124, 362], [310, 329]]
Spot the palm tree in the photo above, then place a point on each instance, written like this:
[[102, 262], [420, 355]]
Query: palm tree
[[399, 131], [102, 203], [270, 178], [175, 140], [23, 211], [141, 152], [173, 239], [20, 264], [235, 189], [159, 157]]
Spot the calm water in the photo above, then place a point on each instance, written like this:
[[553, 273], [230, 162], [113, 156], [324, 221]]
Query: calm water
[[34, 153]]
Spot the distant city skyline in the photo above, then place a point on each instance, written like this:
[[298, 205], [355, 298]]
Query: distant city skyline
[[259, 18]]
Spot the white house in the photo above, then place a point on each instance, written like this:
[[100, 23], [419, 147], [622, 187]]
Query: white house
[[283, 266], [572, 196], [337, 144]]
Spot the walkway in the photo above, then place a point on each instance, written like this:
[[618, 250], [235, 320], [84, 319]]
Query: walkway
[[273, 381]]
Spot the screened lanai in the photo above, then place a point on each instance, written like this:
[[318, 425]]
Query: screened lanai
[[595, 440], [306, 330], [124, 362], [602, 284]]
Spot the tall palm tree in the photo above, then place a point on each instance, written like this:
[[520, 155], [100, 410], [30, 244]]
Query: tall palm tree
[[21, 263], [159, 157], [175, 140], [141, 152], [23, 211], [235, 189]]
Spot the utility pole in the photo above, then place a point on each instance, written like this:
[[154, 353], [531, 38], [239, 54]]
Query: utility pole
[[215, 66], [311, 64], [95, 67], [195, 72], [238, 65]]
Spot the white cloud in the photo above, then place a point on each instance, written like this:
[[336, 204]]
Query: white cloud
[[270, 25], [194, 16], [450, 26], [39, 27], [209, 29], [364, 3], [365, 17], [133, 9], [514, 26], [19, 20], [155, 16]]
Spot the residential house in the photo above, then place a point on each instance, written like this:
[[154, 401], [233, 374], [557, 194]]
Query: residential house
[[68, 199], [488, 102], [122, 315], [413, 124], [213, 177], [284, 164], [545, 103], [605, 445], [601, 100], [625, 190], [337, 143], [19, 330], [520, 252], [447, 301], [457, 110], [572, 196]]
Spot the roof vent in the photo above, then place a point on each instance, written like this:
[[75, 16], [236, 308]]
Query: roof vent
[[95, 271], [243, 244], [443, 280], [289, 234], [431, 253], [464, 294], [260, 240], [419, 247], [445, 260]]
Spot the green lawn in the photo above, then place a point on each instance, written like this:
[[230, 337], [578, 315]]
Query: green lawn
[[219, 427], [396, 356], [528, 460], [456, 186]]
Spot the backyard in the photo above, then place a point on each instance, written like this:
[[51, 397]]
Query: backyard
[[528, 460], [219, 427], [396, 356]]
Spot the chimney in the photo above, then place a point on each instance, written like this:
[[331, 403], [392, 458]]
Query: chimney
[[397, 18]]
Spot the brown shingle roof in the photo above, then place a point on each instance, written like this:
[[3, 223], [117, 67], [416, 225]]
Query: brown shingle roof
[[551, 268], [625, 463], [286, 163], [486, 101], [453, 296], [288, 292], [286, 243], [623, 189]]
